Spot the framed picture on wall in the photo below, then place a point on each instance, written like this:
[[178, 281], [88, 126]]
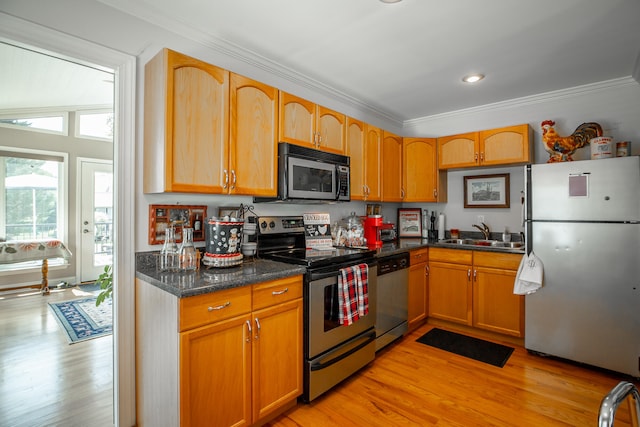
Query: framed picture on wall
[[409, 222], [486, 191]]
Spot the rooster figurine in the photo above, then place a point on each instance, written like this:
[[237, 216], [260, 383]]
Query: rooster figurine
[[561, 148]]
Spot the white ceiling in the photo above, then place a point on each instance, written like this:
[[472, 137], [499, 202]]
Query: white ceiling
[[32, 80], [406, 60]]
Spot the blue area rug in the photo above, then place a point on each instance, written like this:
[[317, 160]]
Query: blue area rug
[[82, 320]]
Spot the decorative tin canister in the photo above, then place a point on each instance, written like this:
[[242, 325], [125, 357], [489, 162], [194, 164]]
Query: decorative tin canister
[[223, 242], [623, 148], [601, 147]]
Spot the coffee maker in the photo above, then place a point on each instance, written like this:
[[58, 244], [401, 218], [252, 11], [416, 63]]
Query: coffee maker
[[373, 225]]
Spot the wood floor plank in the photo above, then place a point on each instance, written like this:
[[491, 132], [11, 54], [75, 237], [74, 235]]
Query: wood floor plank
[[44, 381], [412, 384]]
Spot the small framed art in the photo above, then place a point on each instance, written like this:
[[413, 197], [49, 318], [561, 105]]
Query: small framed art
[[409, 222], [486, 191]]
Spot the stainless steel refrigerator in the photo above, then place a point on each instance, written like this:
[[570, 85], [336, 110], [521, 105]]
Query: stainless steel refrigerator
[[583, 222]]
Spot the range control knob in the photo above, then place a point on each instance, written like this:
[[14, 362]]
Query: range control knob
[[263, 224], [272, 224]]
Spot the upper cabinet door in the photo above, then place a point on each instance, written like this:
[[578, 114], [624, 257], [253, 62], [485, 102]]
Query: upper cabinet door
[[297, 120], [458, 151], [330, 130], [253, 137], [356, 150], [392, 168], [508, 145], [420, 170], [373, 165], [186, 125]]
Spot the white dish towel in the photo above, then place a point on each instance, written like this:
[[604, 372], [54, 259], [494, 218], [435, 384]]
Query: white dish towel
[[529, 276]]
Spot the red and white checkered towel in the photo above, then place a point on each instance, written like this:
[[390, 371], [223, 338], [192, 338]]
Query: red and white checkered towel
[[353, 293]]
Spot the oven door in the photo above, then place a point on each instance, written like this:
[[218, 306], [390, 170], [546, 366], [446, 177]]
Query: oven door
[[324, 329]]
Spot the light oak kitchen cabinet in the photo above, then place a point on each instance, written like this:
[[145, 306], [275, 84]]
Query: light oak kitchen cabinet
[[475, 288], [391, 166], [227, 358], [186, 125], [363, 146], [418, 287], [495, 307], [207, 130], [304, 123], [450, 291], [422, 181], [504, 146], [253, 144]]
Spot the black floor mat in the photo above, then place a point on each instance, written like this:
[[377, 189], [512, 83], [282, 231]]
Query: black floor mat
[[473, 348]]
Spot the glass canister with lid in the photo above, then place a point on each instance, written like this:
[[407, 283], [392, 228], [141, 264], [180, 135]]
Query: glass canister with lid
[[350, 232]]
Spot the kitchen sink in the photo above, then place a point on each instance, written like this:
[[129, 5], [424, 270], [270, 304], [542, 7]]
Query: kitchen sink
[[480, 242]]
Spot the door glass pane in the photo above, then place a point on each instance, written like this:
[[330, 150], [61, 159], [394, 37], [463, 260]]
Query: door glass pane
[[103, 218]]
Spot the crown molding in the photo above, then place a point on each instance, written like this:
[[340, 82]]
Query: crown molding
[[242, 54], [527, 100]]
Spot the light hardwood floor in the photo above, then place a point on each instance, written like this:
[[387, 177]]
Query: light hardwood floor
[[44, 381], [412, 384]]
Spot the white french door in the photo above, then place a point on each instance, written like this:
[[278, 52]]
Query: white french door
[[96, 218]]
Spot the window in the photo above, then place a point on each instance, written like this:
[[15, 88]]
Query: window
[[43, 122], [32, 195], [95, 125]]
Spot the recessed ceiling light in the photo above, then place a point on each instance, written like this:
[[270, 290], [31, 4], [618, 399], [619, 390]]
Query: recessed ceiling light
[[472, 78]]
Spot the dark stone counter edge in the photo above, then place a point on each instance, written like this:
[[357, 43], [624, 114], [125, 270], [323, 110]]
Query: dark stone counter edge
[[208, 280], [408, 244]]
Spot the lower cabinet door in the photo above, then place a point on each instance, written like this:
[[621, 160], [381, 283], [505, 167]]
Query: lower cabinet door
[[215, 374], [495, 307], [450, 292], [277, 356]]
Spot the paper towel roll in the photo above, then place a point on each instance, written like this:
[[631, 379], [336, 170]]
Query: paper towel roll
[[441, 227]]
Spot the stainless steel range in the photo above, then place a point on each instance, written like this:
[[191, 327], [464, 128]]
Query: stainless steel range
[[332, 351]]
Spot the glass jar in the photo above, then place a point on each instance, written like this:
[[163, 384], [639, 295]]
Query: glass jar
[[169, 251], [187, 254], [354, 230]]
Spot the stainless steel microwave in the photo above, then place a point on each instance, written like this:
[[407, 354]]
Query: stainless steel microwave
[[306, 175]]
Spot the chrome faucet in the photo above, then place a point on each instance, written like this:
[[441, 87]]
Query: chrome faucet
[[484, 229]]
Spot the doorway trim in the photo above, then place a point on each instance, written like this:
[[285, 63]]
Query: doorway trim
[[15, 30]]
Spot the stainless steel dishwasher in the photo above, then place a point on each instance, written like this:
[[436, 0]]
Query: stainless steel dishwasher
[[392, 298]]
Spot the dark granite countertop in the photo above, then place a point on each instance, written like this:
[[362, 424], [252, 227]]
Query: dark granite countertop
[[206, 280]]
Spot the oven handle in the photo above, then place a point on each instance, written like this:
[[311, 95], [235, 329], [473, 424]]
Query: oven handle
[[341, 353]]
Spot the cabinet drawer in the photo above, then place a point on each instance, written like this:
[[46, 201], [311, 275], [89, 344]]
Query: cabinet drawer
[[458, 256], [208, 308], [497, 260], [419, 255], [277, 291]]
